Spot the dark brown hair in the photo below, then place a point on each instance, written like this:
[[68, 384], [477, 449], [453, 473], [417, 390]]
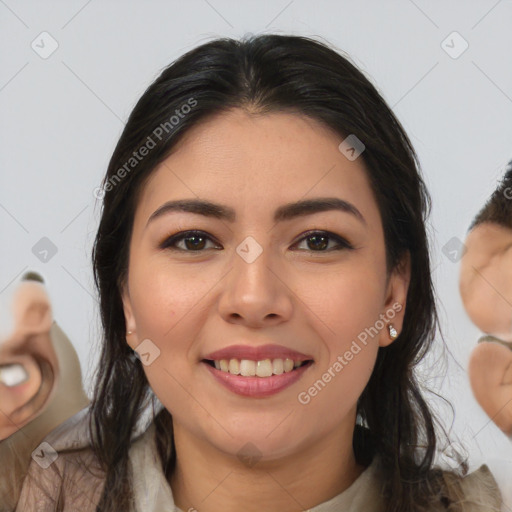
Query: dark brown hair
[[498, 208]]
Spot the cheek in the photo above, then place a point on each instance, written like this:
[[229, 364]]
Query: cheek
[[161, 297], [331, 395], [347, 314], [166, 303], [346, 302], [171, 379]]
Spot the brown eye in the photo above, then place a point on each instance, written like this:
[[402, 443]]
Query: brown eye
[[196, 241], [193, 241], [318, 241]]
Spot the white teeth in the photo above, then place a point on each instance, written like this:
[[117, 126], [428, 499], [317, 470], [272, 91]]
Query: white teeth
[[263, 368], [247, 368], [278, 366], [234, 366], [288, 365]]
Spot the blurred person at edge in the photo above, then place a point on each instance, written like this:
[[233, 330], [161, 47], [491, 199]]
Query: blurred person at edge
[[486, 291]]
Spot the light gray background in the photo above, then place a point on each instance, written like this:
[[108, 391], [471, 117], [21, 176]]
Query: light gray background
[[61, 116]]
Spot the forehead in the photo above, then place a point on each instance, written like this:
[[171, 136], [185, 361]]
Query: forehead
[[255, 162]]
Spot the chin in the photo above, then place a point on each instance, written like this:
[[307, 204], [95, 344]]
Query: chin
[[252, 450], [265, 440]]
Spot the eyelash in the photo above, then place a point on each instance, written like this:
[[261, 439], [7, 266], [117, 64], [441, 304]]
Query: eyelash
[[169, 243]]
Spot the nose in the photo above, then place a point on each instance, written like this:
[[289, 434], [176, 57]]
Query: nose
[[255, 291]]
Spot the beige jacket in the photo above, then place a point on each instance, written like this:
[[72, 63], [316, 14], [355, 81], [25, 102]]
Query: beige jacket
[[153, 493]]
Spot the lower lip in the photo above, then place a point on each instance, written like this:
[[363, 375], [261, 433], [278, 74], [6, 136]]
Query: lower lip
[[257, 387]]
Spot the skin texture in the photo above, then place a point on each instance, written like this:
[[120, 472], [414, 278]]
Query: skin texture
[[312, 300], [486, 291]]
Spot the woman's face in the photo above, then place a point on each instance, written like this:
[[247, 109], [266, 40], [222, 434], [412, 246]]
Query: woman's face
[[259, 288]]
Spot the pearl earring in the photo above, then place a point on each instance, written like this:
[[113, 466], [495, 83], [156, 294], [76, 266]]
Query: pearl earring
[[129, 332], [392, 332]]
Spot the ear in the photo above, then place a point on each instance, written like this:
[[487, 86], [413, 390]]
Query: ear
[[129, 316], [396, 296], [31, 309]]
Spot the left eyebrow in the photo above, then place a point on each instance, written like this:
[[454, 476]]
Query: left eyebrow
[[283, 213]]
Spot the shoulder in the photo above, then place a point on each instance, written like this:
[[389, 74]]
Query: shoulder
[[56, 479], [476, 492], [151, 489], [63, 470]]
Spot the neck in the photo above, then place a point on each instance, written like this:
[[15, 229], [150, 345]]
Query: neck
[[208, 480]]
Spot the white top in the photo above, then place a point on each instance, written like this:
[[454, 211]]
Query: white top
[[153, 493]]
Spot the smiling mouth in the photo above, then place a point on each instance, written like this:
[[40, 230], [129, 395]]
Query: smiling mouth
[[263, 368]]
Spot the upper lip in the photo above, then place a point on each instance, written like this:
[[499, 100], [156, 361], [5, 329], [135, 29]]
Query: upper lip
[[258, 353]]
